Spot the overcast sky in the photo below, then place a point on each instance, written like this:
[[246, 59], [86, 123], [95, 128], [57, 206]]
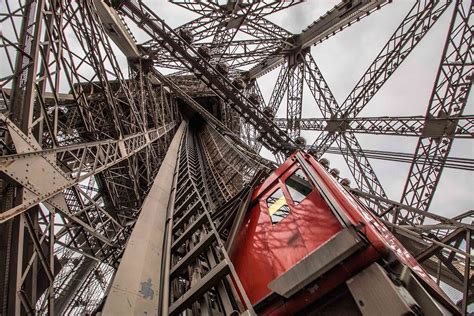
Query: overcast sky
[[343, 59]]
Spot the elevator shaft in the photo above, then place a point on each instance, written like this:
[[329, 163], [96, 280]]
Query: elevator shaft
[[201, 276], [176, 261]]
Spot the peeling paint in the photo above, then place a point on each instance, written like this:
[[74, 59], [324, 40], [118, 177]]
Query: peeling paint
[[146, 289]]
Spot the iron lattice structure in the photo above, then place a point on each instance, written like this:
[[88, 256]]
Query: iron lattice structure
[[83, 136]]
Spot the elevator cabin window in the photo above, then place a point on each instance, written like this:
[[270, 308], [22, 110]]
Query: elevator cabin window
[[277, 206], [298, 186]]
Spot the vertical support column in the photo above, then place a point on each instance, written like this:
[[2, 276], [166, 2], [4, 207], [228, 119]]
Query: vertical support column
[[136, 286], [295, 94], [467, 282], [448, 100], [19, 287], [51, 263], [14, 304], [19, 282], [24, 85]]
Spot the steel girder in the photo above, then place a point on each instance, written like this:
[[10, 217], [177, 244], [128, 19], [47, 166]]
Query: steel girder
[[265, 7], [360, 167], [459, 163], [294, 99], [227, 31], [414, 26], [320, 90], [340, 17], [99, 106], [248, 132], [448, 100], [68, 114], [443, 247], [279, 90], [197, 6], [273, 138], [435, 127], [143, 255], [351, 150], [222, 23]]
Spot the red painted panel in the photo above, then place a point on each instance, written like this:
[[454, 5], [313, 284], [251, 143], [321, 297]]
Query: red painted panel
[[264, 250], [252, 257], [312, 216]]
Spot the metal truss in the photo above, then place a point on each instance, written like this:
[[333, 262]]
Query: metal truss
[[448, 99], [337, 126], [362, 172], [442, 245], [320, 90], [461, 126], [340, 17], [266, 7], [413, 27], [234, 138], [295, 100], [227, 31], [83, 135], [279, 90], [80, 146], [273, 138], [248, 132], [466, 164], [217, 26], [360, 167], [358, 164], [82, 160]]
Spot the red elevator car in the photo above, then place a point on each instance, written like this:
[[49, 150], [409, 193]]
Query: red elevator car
[[304, 236]]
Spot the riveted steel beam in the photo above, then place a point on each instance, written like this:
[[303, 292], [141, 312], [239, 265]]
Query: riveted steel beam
[[81, 161], [395, 125]]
